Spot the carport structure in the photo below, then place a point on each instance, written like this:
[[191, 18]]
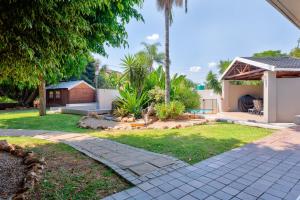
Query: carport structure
[[280, 88]]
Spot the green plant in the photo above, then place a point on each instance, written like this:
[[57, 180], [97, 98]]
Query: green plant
[[5, 99], [120, 112], [156, 94], [131, 102], [169, 111]]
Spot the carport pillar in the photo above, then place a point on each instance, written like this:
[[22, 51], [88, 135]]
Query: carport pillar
[[225, 96], [270, 96]]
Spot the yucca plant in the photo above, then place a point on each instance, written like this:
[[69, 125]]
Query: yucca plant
[[132, 102]]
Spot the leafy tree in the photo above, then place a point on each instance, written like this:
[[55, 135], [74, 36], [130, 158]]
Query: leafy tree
[[213, 83], [50, 40], [296, 51], [269, 53], [151, 51], [166, 7]]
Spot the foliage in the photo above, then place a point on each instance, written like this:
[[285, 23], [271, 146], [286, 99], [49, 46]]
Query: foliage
[[132, 102], [295, 52], [151, 51], [5, 99], [136, 70], [169, 111], [269, 53], [120, 112], [52, 40], [223, 65], [183, 90], [109, 79], [213, 83], [156, 94]]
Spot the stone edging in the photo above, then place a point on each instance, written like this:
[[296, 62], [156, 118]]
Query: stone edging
[[34, 167]]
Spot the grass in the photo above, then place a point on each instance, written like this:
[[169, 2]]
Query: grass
[[68, 173], [190, 144], [29, 119]]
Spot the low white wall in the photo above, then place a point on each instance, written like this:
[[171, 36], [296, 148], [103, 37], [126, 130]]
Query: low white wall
[[234, 92], [209, 100], [288, 99], [106, 97]]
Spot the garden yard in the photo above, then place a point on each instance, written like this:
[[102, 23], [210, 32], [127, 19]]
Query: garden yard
[[191, 144]]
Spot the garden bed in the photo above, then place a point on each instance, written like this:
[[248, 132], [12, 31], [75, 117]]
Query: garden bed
[[19, 171], [110, 123]]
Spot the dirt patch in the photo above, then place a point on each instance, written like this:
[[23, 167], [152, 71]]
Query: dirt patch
[[12, 174], [20, 170]]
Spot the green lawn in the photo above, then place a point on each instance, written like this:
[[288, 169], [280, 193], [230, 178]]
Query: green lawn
[[190, 144], [68, 173], [29, 119]]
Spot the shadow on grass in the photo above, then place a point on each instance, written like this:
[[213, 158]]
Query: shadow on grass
[[69, 174]]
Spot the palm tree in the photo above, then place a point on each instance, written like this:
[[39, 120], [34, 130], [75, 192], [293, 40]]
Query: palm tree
[[151, 51], [213, 83], [166, 7]]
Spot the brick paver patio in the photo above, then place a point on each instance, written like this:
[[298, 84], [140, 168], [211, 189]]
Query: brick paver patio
[[268, 169]]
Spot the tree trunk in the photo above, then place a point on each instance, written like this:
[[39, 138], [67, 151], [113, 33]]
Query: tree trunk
[[42, 95], [167, 56]]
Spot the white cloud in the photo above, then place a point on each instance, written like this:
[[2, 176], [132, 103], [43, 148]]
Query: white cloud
[[212, 64], [154, 37], [195, 69]]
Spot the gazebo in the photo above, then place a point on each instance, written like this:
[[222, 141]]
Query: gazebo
[[280, 88]]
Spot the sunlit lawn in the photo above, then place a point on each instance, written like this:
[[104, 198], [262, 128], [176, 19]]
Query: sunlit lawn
[[29, 119], [68, 173], [189, 144]]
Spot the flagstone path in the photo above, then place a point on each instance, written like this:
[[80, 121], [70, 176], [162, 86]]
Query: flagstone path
[[134, 164]]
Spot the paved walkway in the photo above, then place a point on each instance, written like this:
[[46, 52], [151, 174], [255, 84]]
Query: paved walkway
[[133, 164], [268, 169]]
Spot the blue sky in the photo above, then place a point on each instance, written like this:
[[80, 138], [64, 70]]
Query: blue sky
[[212, 30]]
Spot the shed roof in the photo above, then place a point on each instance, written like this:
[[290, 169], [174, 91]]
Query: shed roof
[[251, 68], [67, 85]]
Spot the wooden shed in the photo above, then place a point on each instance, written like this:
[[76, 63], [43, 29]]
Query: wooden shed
[[72, 92]]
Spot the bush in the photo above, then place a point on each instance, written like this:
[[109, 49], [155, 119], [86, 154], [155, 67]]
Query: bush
[[157, 94], [169, 111], [120, 112]]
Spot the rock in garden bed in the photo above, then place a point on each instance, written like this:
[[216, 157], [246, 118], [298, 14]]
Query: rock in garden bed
[[20, 170]]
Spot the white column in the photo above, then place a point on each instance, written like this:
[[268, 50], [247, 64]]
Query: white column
[[270, 96], [225, 96]]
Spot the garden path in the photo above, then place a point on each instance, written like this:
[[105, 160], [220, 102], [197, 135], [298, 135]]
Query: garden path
[[268, 169], [134, 164]]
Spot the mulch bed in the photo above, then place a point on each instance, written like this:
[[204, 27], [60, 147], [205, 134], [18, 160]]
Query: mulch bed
[[19, 171], [12, 174]]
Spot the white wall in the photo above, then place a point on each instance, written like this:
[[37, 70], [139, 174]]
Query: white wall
[[288, 99], [106, 97]]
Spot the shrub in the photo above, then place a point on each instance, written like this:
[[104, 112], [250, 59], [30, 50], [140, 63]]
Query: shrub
[[169, 111], [157, 94], [120, 112]]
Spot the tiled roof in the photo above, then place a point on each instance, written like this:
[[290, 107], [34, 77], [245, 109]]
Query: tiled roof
[[278, 62]]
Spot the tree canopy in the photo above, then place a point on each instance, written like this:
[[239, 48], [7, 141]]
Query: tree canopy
[[53, 38]]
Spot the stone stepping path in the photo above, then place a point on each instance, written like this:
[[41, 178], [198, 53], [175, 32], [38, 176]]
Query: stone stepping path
[[133, 164]]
